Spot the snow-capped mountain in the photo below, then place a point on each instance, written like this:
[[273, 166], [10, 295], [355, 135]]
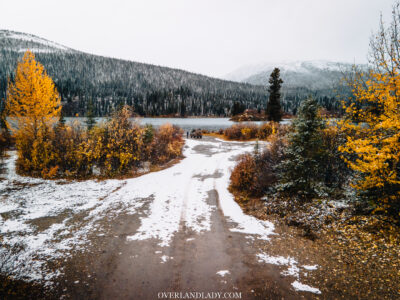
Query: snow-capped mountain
[[154, 90], [19, 41], [316, 74]]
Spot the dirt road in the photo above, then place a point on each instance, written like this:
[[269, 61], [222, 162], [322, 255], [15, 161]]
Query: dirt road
[[177, 230]]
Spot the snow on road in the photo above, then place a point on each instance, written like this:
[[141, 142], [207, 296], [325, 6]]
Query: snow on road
[[292, 270], [42, 220], [222, 273], [181, 194], [38, 218]]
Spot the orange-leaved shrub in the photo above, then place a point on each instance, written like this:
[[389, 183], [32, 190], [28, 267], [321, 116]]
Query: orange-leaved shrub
[[241, 131], [49, 148], [168, 143], [255, 174], [244, 174], [251, 131], [5, 141], [117, 147]]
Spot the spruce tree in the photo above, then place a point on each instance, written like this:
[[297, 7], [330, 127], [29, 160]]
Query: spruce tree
[[274, 110], [183, 109], [3, 124], [237, 108], [90, 120], [300, 173]]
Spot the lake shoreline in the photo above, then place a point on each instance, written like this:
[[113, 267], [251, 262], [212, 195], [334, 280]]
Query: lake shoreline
[[187, 124]]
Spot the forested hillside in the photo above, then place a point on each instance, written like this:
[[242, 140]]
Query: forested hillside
[[107, 82], [101, 84]]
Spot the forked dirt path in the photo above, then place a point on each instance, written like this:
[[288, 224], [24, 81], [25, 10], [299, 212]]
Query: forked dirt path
[[177, 230]]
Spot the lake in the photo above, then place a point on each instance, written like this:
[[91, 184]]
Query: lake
[[186, 124]]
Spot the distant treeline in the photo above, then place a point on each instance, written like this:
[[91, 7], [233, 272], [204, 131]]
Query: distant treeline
[[103, 84]]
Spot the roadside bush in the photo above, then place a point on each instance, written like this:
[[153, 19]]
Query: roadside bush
[[116, 147], [249, 131], [54, 151], [70, 145], [243, 176], [35, 152], [266, 129], [255, 173], [5, 141], [301, 160], [168, 143], [238, 131]]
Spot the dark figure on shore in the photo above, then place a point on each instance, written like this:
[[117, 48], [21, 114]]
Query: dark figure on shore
[[187, 134]]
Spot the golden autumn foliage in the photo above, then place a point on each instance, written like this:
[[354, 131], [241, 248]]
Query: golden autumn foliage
[[32, 107], [372, 146], [249, 131], [167, 143], [32, 99], [117, 147]]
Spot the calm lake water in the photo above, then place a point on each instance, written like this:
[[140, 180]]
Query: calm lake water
[[186, 124]]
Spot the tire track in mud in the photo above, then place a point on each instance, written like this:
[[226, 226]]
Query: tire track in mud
[[182, 221], [132, 270], [179, 249]]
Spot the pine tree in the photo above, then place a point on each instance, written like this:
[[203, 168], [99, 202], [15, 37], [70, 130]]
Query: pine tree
[[237, 108], [4, 133], [90, 120], [300, 172], [274, 110], [183, 109], [32, 99], [3, 125]]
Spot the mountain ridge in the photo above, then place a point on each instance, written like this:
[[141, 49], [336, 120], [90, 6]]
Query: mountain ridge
[[82, 78], [111, 82], [315, 74]]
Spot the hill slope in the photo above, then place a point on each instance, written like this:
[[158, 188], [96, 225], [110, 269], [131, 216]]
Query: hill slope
[[109, 82], [153, 90]]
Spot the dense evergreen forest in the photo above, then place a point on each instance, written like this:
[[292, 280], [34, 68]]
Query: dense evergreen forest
[[107, 83]]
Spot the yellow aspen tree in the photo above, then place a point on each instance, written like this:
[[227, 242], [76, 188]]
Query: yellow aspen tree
[[372, 146], [32, 99]]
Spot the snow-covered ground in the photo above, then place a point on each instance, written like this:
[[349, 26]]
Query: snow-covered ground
[[180, 193], [43, 220], [32, 38]]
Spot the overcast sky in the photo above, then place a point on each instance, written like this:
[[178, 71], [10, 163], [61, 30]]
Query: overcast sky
[[212, 37]]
